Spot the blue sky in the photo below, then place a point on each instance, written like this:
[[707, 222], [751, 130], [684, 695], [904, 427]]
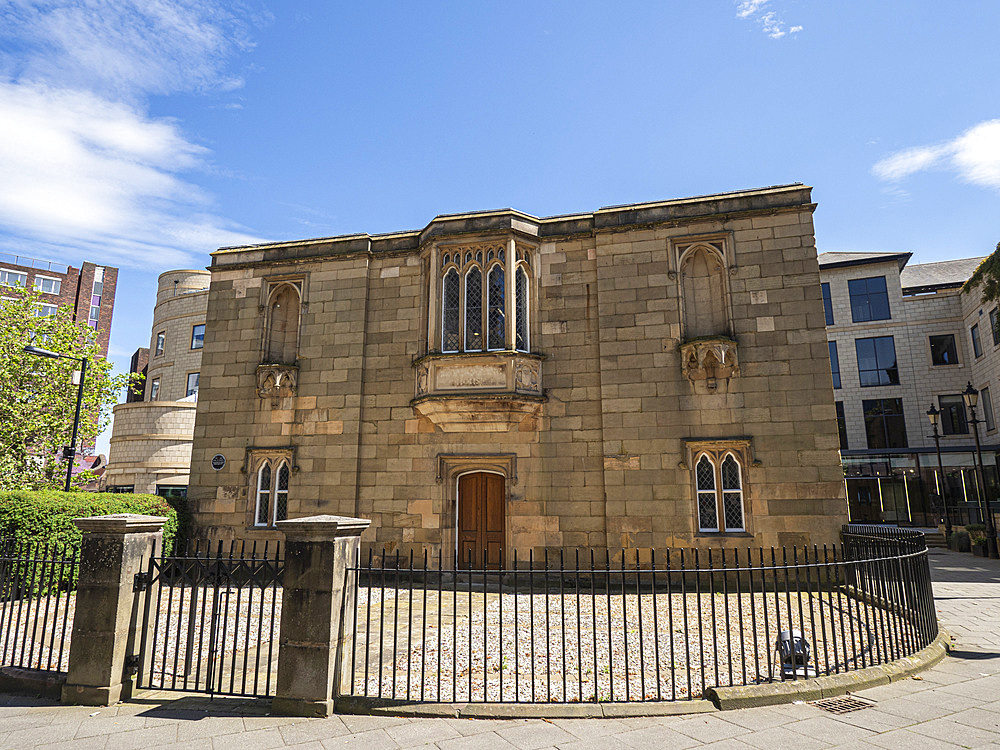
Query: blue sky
[[146, 134]]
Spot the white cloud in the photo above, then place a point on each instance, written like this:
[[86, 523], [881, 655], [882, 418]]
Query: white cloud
[[769, 22], [974, 156], [83, 166], [747, 8]]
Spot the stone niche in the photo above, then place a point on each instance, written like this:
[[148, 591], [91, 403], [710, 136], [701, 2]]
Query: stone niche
[[479, 392], [709, 359]]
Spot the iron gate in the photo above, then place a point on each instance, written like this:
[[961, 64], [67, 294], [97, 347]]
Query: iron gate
[[210, 620]]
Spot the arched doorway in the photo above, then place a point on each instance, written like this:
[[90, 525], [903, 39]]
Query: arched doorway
[[480, 518]]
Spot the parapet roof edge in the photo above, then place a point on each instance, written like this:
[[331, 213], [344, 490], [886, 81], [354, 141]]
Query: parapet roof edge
[[901, 258], [514, 213]]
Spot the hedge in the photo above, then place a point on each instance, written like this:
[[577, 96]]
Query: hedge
[[46, 516]]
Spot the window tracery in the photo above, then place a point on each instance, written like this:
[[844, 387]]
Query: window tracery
[[479, 310], [271, 497], [719, 492]]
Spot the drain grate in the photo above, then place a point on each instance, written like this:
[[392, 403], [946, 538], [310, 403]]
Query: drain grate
[[842, 705]]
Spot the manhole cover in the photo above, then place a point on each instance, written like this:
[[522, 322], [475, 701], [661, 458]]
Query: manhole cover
[[842, 705]]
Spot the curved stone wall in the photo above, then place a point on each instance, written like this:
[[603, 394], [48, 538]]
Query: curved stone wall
[[151, 444]]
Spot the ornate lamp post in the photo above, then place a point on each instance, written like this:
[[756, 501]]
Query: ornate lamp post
[[934, 415], [971, 397], [69, 454]]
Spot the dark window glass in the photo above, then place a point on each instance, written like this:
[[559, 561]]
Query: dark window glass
[[953, 421], [192, 383], [987, 402], [835, 364], [869, 299], [995, 326], [943, 350], [884, 423], [877, 361], [451, 300], [977, 346], [842, 425], [827, 303], [161, 338]]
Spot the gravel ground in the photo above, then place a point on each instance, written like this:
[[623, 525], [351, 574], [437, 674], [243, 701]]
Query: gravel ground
[[470, 646], [464, 649]]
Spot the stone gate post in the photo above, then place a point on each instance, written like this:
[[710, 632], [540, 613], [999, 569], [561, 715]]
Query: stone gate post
[[105, 628], [315, 632]]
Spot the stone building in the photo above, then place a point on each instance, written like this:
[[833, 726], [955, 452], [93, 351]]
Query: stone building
[[640, 376], [151, 434], [904, 338]]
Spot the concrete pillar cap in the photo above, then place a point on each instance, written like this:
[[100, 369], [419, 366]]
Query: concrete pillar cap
[[322, 527], [120, 523]]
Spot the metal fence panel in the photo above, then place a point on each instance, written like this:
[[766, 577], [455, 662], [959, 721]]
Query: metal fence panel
[[210, 618], [636, 626], [37, 602]]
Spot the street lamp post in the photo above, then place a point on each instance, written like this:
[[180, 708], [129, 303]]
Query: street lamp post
[[71, 453], [934, 415], [971, 397]]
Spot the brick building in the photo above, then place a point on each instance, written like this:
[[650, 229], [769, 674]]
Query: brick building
[[904, 338], [647, 375], [88, 292], [151, 434]]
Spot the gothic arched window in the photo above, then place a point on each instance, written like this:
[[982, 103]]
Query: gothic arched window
[[271, 497], [476, 308]]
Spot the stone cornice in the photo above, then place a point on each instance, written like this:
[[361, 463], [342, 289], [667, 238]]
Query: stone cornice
[[507, 221]]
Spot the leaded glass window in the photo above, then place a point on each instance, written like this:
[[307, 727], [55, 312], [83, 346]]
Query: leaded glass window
[[732, 494], [272, 491], [281, 493], [449, 314], [263, 495], [474, 310], [708, 518], [521, 310], [496, 315]]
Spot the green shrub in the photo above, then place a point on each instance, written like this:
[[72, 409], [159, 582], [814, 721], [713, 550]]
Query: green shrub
[[46, 516], [977, 532]]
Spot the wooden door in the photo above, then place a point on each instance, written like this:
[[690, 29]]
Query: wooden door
[[480, 519]]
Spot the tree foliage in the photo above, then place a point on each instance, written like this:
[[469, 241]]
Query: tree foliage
[[37, 395], [987, 276]]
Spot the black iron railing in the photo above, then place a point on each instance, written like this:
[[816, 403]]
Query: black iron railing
[[210, 618], [635, 626], [37, 602]]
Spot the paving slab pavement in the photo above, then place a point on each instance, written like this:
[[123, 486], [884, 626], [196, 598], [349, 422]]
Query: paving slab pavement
[[955, 704]]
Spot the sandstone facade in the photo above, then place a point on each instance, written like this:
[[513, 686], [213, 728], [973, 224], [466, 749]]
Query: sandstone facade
[[151, 437], [595, 363]]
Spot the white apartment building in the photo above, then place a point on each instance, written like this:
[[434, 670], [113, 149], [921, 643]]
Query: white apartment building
[[903, 338]]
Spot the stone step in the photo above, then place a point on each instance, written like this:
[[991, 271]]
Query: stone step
[[935, 539]]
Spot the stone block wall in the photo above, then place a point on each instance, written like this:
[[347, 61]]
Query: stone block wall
[[604, 458]]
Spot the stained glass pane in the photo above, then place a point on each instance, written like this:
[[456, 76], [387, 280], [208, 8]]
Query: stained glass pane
[[521, 298], [730, 474], [707, 513], [497, 320], [474, 310], [449, 314], [283, 478], [732, 503], [706, 474]]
